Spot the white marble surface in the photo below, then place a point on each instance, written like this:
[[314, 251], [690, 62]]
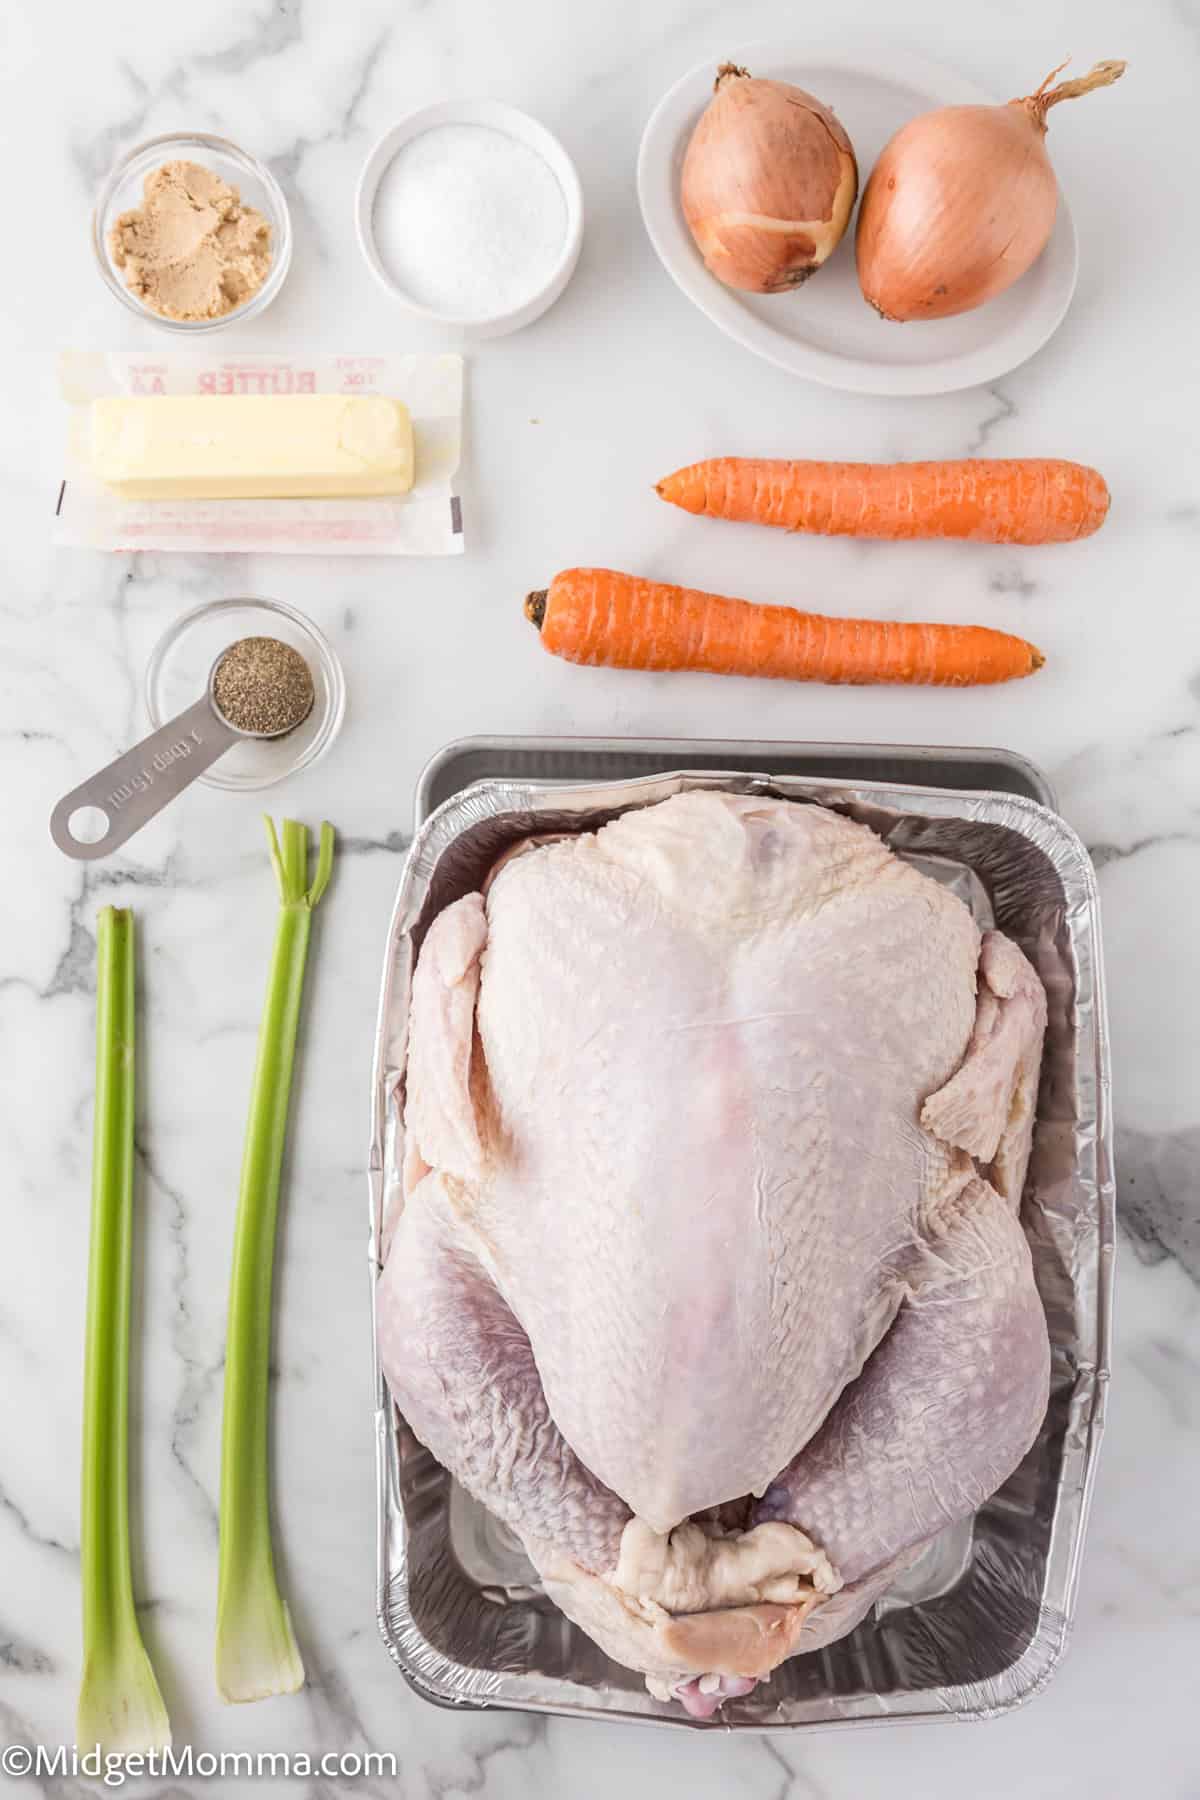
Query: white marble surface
[[568, 426]]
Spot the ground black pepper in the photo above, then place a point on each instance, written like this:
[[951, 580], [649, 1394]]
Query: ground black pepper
[[263, 686]]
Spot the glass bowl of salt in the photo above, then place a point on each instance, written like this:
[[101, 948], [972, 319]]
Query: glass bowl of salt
[[470, 214]]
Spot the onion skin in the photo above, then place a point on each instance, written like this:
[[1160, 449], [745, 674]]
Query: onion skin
[[923, 247], [769, 182], [960, 204]]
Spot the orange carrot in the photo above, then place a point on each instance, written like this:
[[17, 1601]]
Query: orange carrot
[[1033, 500], [598, 616]]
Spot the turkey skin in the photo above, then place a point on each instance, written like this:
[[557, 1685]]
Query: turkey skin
[[709, 1278]]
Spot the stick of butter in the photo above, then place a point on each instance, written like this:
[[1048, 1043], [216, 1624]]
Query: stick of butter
[[251, 446]]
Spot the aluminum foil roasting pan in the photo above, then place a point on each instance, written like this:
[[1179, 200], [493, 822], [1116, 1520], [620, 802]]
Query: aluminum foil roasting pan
[[980, 1623]]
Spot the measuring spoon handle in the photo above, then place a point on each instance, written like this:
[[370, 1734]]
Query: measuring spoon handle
[[140, 783]]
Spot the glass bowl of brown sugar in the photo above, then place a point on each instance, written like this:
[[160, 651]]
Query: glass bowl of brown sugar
[[184, 656], [217, 160]]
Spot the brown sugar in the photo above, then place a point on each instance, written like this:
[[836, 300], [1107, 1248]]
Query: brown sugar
[[191, 250]]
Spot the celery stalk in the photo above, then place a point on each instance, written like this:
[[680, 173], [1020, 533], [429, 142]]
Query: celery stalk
[[257, 1654], [120, 1707]]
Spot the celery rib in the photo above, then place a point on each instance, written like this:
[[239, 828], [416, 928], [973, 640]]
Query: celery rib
[[120, 1706], [256, 1651]]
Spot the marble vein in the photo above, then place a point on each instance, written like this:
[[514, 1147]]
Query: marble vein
[[1013, 581], [1158, 1194], [1005, 409], [23, 1657], [200, 1384], [278, 27], [394, 843], [517, 1737], [795, 1783], [1176, 1375], [23, 1524]]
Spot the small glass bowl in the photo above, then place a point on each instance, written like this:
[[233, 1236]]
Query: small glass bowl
[[179, 667], [254, 182]]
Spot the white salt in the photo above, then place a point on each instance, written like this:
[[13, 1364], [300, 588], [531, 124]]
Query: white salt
[[468, 221]]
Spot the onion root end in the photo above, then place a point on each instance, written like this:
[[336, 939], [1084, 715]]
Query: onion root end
[[734, 71]]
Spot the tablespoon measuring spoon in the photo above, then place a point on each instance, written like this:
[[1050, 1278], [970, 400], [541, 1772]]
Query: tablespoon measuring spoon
[[136, 787]]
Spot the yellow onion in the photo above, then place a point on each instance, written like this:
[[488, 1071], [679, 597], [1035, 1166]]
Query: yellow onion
[[961, 202], [769, 183]]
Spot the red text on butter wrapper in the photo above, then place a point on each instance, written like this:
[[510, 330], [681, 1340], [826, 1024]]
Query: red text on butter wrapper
[[257, 381]]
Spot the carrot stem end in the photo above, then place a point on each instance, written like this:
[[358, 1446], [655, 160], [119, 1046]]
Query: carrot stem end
[[535, 607]]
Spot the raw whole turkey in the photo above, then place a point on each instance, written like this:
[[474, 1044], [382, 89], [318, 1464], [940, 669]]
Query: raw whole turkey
[[710, 1280]]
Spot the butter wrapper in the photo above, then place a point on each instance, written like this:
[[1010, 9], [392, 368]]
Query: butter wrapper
[[427, 521]]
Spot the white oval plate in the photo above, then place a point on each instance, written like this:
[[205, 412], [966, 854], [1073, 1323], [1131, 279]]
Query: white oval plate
[[825, 330]]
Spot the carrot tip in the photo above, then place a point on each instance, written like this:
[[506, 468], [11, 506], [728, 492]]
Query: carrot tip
[[1036, 658], [535, 606]]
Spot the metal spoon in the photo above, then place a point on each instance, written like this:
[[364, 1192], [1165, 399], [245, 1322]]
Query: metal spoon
[[134, 788]]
